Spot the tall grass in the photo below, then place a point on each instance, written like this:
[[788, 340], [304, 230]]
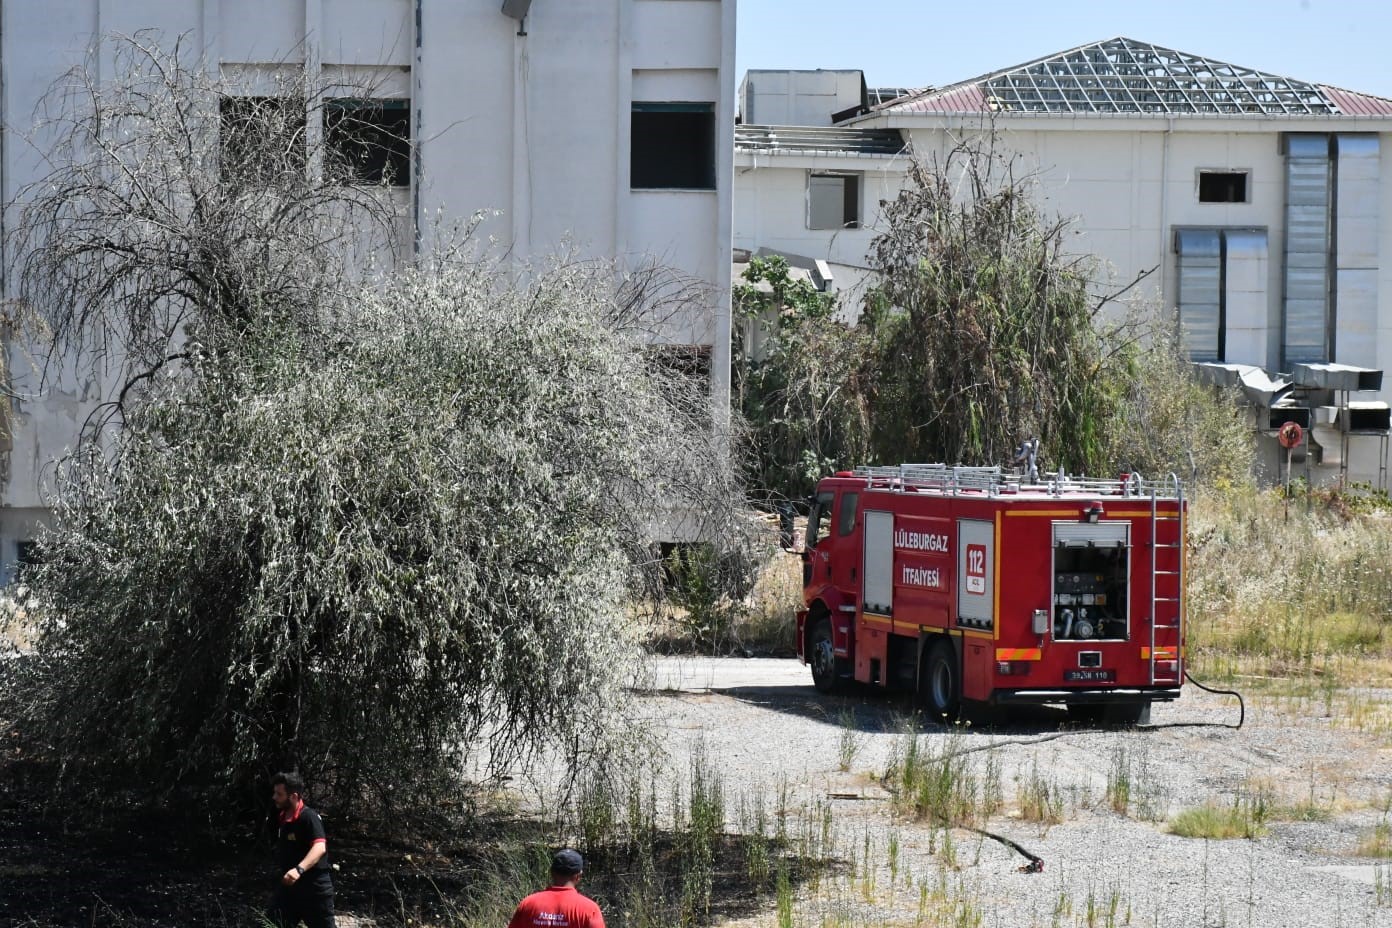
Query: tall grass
[[937, 783], [1304, 597], [1246, 816]]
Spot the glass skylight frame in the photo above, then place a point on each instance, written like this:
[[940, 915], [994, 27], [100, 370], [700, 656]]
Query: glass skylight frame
[[1126, 76]]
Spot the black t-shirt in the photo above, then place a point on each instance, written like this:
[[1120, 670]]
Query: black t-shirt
[[296, 836]]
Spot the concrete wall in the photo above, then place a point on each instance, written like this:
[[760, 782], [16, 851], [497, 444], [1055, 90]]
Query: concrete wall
[[798, 98], [1128, 183], [771, 212], [533, 123]]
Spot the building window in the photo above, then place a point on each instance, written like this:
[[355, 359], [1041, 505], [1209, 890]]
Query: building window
[[369, 141], [833, 201], [26, 558], [262, 140], [673, 146], [1222, 186]]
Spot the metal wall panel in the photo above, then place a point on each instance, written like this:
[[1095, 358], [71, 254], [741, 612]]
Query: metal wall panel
[[1200, 291], [1309, 182], [1245, 305], [1356, 249]]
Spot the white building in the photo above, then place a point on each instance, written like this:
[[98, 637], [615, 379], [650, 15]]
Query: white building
[[1255, 199], [605, 126], [807, 188]]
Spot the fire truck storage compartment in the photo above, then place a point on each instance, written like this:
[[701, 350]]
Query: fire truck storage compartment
[[879, 562], [1091, 580]]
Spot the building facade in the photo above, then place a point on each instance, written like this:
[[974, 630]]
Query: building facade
[[604, 128], [1247, 202]]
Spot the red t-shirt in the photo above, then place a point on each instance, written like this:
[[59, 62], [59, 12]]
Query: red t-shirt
[[557, 907]]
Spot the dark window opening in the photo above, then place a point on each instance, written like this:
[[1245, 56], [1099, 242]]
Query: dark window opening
[[27, 557], [672, 146], [833, 201], [262, 141], [1222, 186], [368, 141]]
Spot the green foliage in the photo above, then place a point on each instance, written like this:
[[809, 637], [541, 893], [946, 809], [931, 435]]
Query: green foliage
[[796, 374], [707, 584], [983, 331], [1167, 422], [938, 785], [363, 554]]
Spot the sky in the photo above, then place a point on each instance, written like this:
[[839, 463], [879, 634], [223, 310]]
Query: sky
[[913, 43]]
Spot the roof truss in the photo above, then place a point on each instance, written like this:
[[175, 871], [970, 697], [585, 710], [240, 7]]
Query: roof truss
[[1125, 76]]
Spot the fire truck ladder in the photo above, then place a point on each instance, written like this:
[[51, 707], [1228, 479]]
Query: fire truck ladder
[[1167, 611]]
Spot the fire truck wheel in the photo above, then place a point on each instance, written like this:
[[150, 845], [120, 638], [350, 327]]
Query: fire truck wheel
[[822, 655], [940, 686]]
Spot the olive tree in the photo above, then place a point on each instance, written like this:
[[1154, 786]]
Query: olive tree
[[373, 525]]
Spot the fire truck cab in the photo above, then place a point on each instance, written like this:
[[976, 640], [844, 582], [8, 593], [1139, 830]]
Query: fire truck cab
[[969, 585]]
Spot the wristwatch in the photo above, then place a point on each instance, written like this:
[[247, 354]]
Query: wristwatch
[[299, 869]]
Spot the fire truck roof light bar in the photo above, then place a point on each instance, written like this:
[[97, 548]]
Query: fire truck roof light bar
[[993, 481]]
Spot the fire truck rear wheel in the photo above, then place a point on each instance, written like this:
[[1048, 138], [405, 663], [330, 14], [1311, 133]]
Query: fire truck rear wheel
[[940, 685], [821, 654]]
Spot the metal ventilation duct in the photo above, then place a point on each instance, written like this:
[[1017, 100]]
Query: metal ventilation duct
[[1337, 377], [517, 9], [1259, 386], [1366, 417]]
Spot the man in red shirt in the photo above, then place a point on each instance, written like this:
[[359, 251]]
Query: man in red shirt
[[559, 906]]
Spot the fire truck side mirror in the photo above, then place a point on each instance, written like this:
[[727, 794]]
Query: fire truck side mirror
[[787, 516]]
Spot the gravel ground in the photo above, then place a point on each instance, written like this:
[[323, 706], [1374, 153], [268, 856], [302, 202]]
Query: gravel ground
[[761, 724]]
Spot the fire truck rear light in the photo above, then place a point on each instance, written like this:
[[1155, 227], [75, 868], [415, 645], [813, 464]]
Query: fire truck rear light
[[1013, 668]]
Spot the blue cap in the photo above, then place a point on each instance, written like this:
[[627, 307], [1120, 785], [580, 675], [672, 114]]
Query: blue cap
[[567, 862]]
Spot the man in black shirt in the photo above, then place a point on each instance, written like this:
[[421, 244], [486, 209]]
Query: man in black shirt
[[305, 890]]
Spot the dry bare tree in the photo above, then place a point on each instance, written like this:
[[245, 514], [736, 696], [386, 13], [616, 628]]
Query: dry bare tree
[[178, 208]]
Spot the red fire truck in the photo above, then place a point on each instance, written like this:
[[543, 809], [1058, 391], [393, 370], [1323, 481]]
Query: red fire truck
[[970, 585]]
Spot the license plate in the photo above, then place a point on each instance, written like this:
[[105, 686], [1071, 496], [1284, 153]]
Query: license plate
[[1089, 676]]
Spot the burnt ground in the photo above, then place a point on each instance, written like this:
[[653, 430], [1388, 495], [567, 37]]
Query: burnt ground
[[143, 870]]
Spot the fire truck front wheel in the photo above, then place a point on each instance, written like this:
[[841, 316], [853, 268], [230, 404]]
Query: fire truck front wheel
[[821, 654], [940, 682]]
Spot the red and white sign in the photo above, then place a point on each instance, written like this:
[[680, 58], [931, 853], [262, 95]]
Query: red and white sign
[[976, 569]]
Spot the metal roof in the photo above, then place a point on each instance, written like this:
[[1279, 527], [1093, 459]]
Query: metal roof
[[819, 140], [1122, 75]]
